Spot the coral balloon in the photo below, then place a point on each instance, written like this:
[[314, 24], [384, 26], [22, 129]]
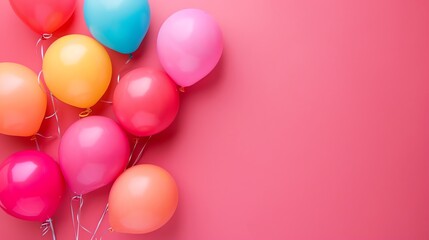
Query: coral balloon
[[22, 101], [189, 45], [92, 153], [142, 199], [44, 16], [119, 25], [31, 186], [145, 101], [77, 70]]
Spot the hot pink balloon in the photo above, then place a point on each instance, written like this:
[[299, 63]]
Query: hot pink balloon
[[145, 101], [189, 45], [31, 186], [93, 152], [44, 16]]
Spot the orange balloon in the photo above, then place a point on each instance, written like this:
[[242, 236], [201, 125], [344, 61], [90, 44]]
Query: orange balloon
[[142, 199], [77, 70], [22, 101]]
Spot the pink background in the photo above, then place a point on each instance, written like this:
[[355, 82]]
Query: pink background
[[315, 125]]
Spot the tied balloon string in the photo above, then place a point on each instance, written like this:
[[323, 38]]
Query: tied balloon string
[[182, 89], [34, 138], [76, 223], [141, 152], [85, 113], [44, 36], [132, 150], [130, 56], [110, 229], [55, 114], [54, 108], [46, 226], [106, 208], [47, 36]]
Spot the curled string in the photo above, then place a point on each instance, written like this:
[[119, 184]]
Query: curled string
[[106, 208], [76, 224], [141, 152], [39, 76], [130, 56], [46, 226], [54, 108], [38, 79], [34, 138], [85, 113], [44, 36]]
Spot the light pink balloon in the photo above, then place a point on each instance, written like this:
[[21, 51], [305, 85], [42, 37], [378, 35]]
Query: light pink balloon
[[93, 152], [189, 45]]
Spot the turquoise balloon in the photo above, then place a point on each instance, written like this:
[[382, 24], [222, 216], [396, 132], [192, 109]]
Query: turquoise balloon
[[120, 25]]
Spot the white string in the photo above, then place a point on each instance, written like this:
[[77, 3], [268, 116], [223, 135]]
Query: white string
[[46, 36], [37, 143], [54, 108], [130, 56], [106, 208], [46, 226], [141, 152], [132, 151], [104, 233], [76, 224]]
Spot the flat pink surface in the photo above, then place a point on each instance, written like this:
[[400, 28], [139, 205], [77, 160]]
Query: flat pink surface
[[315, 125]]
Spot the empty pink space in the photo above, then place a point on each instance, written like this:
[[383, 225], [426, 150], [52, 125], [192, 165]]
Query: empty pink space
[[314, 126]]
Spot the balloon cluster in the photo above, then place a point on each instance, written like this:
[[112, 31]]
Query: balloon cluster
[[94, 151]]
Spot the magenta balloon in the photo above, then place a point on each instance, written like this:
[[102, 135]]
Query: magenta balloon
[[189, 45], [146, 101], [93, 152], [31, 186]]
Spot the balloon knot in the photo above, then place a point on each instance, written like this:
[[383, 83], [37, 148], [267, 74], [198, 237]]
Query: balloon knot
[[182, 89], [85, 113], [46, 36]]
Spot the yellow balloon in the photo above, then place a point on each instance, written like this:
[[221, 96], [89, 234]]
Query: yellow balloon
[[77, 70]]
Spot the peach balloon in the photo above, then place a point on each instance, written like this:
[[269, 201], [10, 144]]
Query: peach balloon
[[22, 101], [142, 199]]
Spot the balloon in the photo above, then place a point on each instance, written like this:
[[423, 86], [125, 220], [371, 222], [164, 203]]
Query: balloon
[[44, 16], [145, 101], [119, 25], [22, 101], [189, 45], [77, 70], [142, 199], [31, 186], [92, 153]]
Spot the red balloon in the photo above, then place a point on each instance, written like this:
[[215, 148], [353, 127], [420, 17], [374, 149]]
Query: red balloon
[[31, 186], [146, 101], [44, 16]]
